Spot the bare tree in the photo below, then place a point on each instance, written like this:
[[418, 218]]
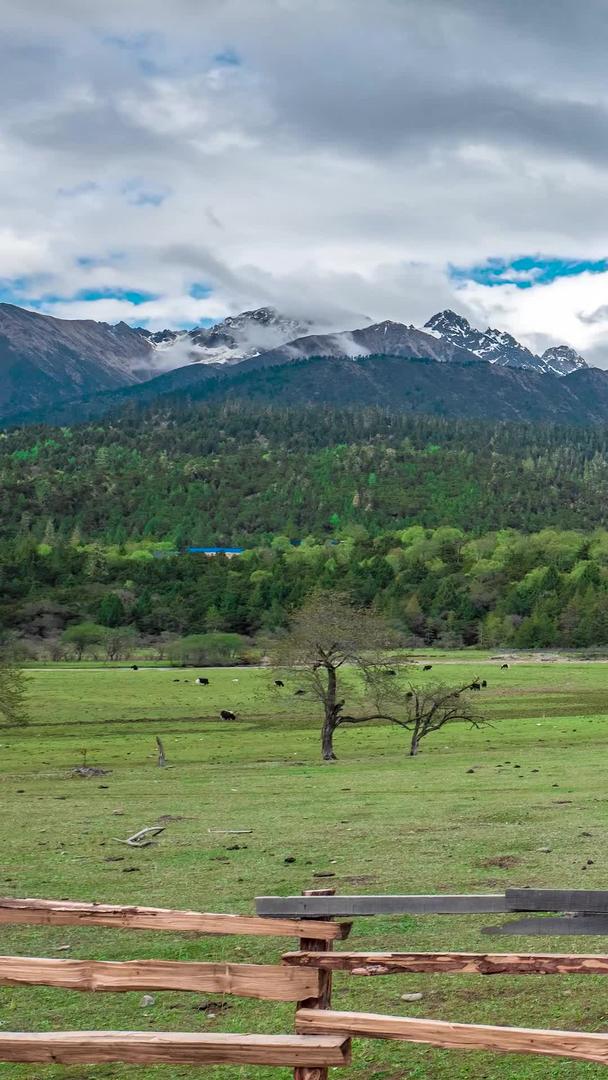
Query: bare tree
[[432, 707], [327, 635], [119, 642]]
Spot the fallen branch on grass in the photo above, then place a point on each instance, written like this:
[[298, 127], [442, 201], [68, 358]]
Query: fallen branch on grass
[[143, 838]]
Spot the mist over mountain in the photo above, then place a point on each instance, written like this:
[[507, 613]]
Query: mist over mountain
[[61, 370], [235, 338]]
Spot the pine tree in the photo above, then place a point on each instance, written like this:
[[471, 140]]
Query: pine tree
[[112, 611]]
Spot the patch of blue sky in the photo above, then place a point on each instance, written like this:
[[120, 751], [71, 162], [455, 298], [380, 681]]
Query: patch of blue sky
[[526, 271], [90, 262], [199, 291], [149, 198], [228, 57], [140, 193], [143, 49], [23, 290], [132, 296]]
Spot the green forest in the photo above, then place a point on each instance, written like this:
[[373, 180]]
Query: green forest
[[438, 586], [240, 475], [461, 533]]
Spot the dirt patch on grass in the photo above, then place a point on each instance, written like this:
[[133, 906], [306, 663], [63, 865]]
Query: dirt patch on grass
[[502, 862]]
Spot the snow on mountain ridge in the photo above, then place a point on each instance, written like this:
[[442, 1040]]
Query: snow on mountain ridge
[[562, 360], [235, 338], [499, 347]]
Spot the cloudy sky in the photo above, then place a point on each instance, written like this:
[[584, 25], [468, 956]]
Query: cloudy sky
[[167, 163]]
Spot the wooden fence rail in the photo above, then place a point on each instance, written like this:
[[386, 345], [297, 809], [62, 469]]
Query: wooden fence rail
[[585, 900], [571, 1044], [172, 1048], [68, 913], [587, 910], [393, 963], [269, 982], [322, 1038], [329, 907]]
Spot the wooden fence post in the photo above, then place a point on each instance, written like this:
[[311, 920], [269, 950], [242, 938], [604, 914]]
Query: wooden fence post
[[323, 1001]]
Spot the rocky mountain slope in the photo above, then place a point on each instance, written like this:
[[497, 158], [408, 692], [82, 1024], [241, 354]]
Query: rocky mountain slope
[[561, 360], [465, 390], [424, 386], [76, 369], [228, 342], [498, 347], [45, 360], [385, 338]]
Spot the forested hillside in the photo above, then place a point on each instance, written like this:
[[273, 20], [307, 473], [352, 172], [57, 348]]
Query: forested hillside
[[437, 586], [461, 532], [239, 474]]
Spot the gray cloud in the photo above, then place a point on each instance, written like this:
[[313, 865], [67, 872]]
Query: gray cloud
[[356, 151], [600, 315]]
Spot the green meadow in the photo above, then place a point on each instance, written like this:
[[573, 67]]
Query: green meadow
[[533, 811]]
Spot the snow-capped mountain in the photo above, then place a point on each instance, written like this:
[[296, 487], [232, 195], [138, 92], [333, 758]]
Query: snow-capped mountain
[[46, 361], [228, 342], [561, 360], [381, 339], [499, 347]]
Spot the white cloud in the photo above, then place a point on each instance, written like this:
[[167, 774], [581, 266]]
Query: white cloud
[[567, 309], [354, 152]]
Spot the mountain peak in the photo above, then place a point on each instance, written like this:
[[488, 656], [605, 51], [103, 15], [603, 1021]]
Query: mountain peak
[[563, 360], [448, 321], [499, 347]]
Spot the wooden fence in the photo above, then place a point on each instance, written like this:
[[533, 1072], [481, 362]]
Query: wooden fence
[[587, 912], [310, 1055], [304, 976]]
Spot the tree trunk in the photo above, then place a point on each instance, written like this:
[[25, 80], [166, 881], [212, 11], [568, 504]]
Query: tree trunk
[[414, 745], [331, 710], [162, 761], [327, 739]]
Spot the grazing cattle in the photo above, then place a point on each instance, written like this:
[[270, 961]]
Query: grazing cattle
[[227, 715], [298, 692], [389, 671], [278, 682], [483, 684], [475, 686], [134, 667], [176, 680], [201, 681], [427, 667], [504, 667]]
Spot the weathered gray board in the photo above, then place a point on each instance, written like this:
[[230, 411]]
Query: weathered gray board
[[554, 926], [586, 900], [332, 906]]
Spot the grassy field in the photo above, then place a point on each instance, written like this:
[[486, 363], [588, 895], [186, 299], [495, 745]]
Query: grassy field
[[377, 820]]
